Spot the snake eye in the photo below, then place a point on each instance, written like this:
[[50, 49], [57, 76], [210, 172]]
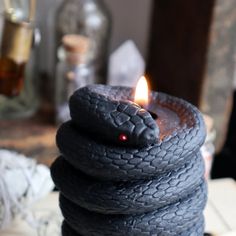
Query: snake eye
[[123, 138]]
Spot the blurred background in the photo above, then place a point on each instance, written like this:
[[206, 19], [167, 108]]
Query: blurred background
[[50, 48], [186, 49], [33, 113]]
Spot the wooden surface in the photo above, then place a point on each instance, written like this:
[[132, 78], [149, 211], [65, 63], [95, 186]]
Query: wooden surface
[[32, 137], [178, 46], [220, 212], [192, 55]]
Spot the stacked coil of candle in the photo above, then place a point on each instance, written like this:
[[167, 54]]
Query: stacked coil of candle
[[123, 173]]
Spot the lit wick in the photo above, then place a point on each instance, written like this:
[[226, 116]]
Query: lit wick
[[142, 94]]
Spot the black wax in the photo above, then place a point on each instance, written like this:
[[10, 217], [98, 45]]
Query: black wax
[[154, 185], [167, 119]]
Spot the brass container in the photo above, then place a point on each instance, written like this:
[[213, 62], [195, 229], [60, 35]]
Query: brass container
[[17, 40]]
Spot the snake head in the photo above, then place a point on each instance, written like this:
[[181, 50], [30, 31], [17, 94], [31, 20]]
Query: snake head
[[108, 114]]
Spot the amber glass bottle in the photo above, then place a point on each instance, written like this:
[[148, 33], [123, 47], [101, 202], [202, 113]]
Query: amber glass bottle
[[18, 95]]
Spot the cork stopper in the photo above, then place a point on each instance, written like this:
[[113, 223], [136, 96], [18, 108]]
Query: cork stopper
[[77, 48], [75, 43]]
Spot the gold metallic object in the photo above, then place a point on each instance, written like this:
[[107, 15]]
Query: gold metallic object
[[16, 41], [16, 44]]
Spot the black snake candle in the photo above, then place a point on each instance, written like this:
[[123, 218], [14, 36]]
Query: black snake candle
[[121, 172]]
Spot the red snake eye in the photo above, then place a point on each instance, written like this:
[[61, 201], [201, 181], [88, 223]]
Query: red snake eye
[[123, 138]]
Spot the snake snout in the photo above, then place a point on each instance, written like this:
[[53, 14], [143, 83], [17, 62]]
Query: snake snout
[[111, 117], [150, 135]]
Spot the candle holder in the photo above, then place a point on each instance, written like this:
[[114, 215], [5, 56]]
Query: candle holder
[[121, 172]]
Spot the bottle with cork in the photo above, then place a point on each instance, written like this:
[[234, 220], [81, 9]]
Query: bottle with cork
[[91, 19], [74, 70]]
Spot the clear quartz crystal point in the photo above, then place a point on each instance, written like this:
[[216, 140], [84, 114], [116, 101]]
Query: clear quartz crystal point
[[126, 65]]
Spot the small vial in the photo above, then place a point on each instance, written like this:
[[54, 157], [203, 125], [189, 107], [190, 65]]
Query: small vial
[[74, 70]]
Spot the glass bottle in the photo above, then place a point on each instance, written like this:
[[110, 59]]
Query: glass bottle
[[17, 80], [74, 70], [89, 18]]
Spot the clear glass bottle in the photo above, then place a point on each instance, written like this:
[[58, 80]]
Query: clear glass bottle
[[74, 70], [17, 79], [91, 19]]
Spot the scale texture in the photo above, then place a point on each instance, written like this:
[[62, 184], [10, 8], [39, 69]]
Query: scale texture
[[196, 229], [170, 220], [150, 184], [110, 162], [114, 114], [110, 197], [107, 160]]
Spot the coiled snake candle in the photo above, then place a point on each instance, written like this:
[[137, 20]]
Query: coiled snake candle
[[121, 172]]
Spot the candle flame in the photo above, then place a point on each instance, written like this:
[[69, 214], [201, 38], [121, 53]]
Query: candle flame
[[141, 92]]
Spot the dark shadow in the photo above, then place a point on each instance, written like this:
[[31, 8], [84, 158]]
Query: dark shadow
[[225, 162]]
